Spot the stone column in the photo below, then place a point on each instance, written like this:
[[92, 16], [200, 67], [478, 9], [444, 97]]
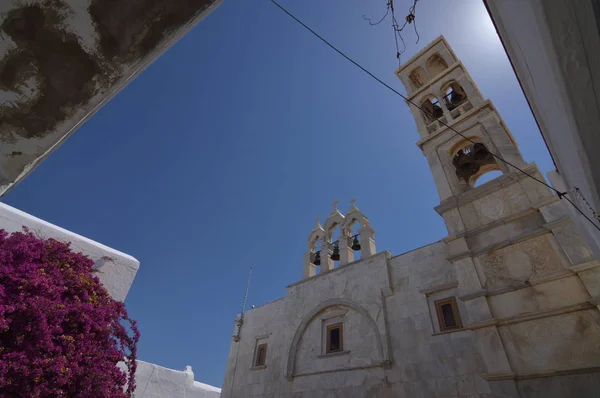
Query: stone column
[[346, 253], [481, 320], [439, 175], [442, 103], [471, 90], [308, 268], [367, 241], [503, 142], [326, 261]]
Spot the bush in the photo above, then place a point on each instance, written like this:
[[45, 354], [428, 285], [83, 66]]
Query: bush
[[61, 334]]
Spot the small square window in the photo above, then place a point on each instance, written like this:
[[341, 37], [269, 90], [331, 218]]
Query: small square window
[[335, 339], [447, 313], [261, 355]]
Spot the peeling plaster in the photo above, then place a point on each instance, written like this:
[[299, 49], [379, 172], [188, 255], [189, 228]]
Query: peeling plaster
[[61, 60]]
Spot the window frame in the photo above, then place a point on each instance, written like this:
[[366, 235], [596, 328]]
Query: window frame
[[455, 313], [340, 326], [257, 355]]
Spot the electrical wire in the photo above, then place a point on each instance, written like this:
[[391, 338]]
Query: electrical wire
[[561, 195], [387, 11]]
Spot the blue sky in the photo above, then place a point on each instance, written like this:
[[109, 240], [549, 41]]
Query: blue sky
[[222, 153]]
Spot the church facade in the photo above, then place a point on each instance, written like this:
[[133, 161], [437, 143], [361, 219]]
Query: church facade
[[505, 306]]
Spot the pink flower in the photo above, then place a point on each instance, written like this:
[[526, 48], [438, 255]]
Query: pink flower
[[61, 334]]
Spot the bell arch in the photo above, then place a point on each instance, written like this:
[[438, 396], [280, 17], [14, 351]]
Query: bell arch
[[432, 109], [334, 220], [472, 159], [317, 234], [354, 216], [474, 180], [453, 95], [315, 238], [339, 302], [417, 78], [436, 65]]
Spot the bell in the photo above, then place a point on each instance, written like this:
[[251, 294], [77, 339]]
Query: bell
[[456, 98], [355, 244], [481, 152], [317, 258], [335, 256]]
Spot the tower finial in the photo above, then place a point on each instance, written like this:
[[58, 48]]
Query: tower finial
[[318, 224], [335, 203]]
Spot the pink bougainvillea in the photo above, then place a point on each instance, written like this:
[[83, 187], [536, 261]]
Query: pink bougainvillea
[[61, 334]]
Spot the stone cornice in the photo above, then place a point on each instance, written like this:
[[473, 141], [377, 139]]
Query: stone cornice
[[537, 375], [530, 316], [434, 289], [496, 246], [453, 122], [484, 190], [341, 267]]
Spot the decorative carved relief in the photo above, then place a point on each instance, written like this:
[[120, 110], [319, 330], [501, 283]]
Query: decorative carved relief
[[523, 261], [491, 207], [501, 204]]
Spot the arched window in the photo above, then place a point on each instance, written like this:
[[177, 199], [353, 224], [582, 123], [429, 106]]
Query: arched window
[[436, 65], [431, 109], [471, 161], [417, 77], [333, 234], [486, 175], [454, 95]]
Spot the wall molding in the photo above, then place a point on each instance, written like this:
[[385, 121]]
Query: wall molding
[[537, 375], [377, 365], [531, 316], [311, 315]]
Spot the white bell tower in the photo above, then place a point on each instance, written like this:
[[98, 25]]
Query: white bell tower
[[509, 239], [324, 250]]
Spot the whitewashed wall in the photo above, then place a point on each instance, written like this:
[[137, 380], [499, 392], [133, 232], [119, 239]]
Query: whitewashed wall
[[91, 49], [554, 47], [154, 381], [391, 347], [116, 270]]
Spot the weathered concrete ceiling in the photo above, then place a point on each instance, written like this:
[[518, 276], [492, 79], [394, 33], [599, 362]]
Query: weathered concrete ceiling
[[61, 60]]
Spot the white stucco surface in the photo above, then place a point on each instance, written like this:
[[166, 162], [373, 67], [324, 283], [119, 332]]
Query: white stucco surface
[[154, 381], [83, 22], [554, 47], [116, 269]]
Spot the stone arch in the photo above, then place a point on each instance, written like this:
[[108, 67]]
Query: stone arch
[[453, 94], [417, 77], [291, 363], [316, 235], [472, 159], [335, 220], [354, 216], [485, 169], [436, 65], [431, 109]]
